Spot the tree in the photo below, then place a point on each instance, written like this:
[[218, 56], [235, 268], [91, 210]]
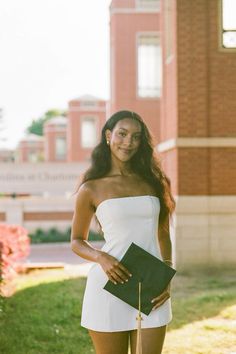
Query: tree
[[36, 126]]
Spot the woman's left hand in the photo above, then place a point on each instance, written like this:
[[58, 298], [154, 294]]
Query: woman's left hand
[[161, 298]]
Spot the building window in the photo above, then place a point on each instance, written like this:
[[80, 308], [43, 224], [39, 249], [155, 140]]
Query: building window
[[88, 132], [60, 148], [148, 4], [149, 66], [32, 156], [228, 19]]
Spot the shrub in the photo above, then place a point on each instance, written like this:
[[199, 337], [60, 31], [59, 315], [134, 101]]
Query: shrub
[[55, 235], [14, 245]]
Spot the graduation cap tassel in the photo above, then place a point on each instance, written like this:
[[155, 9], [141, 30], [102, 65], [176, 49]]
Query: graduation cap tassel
[[139, 319]]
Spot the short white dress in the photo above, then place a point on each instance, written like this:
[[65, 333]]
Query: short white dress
[[124, 220]]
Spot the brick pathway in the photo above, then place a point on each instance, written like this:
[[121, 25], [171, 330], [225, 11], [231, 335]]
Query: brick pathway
[[57, 252], [50, 255]]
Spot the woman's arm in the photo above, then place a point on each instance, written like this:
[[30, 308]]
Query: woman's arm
[[82, 217], [165, 242], [166, 253], [83, 214]]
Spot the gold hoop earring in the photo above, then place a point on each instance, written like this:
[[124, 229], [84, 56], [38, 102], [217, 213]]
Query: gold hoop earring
[[108, 142]]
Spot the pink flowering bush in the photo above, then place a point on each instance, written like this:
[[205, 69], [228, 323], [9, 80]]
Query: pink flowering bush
[[14, 245]]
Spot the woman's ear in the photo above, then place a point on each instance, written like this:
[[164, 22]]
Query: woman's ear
[[108, 134]]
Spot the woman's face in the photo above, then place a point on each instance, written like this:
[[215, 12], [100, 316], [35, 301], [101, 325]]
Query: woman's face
[[125, 138]]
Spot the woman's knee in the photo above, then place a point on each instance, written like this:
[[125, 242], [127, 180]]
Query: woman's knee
[[152, 340], [110, 342]]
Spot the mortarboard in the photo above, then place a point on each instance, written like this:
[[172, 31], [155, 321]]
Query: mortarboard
[[153, 274]]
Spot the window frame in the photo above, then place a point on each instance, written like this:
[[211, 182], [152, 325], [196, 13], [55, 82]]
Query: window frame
[[140, 5], [60, 157], [222, 48], [83, 118], [138, 35]]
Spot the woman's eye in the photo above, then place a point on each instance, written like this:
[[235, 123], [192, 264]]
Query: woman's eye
[[122, 134]]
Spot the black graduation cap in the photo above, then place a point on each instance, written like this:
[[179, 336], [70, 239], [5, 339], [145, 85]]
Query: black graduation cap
[[153, 274]]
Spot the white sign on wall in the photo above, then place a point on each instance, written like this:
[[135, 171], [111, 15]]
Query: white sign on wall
[[40, 178]]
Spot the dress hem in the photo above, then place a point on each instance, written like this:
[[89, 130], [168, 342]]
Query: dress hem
[[127, 329]]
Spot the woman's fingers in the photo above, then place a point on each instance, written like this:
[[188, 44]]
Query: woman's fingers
[[125, 270], [115, 271], [160, 299], [160, 302], [118, 273], [122, 273]]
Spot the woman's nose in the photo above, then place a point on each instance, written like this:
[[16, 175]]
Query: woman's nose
[[128, 140]]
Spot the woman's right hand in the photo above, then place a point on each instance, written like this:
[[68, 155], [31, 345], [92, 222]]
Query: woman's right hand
[[115, 271]]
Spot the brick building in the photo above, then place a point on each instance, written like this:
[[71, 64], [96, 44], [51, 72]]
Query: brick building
[[67, 139], [7, 155], [30, 149], [55, 147], [191, 111], [198, 130], [135, 54], [86, 117]]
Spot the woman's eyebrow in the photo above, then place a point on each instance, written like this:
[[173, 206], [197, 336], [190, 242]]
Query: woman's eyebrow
[[138, 132]]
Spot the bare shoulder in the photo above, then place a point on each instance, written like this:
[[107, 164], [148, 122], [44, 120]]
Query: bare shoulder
[[86, 193]]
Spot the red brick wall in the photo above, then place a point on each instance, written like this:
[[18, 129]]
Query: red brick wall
[[124, 28], [223, 171], [169, 108], [51, 133], [169, 162], [123, 4], [25, 148], [193, 68], [206, 75], [204, 103], [43, 216], [75, 115]]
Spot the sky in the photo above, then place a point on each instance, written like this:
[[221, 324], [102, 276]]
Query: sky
[[51, 52]]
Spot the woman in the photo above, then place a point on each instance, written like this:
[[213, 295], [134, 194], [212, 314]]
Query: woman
[[130, 195]]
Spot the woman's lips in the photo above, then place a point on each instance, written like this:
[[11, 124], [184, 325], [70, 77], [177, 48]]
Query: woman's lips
[[127, 151]]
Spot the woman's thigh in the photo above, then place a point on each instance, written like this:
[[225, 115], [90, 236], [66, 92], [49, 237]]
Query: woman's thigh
[[110, 342], [152, 340]]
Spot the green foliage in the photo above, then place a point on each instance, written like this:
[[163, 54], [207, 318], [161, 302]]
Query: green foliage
[[36, 126], [55, 235]]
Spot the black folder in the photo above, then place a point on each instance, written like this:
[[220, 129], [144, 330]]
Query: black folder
[[153, 274]]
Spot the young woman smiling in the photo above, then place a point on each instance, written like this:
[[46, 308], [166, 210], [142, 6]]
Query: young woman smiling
[[130, 195]]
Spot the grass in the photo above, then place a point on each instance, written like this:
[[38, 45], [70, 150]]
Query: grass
[[43, 315]]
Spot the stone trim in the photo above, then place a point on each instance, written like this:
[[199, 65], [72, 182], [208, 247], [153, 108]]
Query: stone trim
[[138, 11], [218, 204], [196, 142], [88, 109], [203, 233]]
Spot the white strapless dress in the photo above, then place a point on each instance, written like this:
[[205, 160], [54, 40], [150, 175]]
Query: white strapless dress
[[124, 220]]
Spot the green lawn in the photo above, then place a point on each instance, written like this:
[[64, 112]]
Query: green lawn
[[43, 316]]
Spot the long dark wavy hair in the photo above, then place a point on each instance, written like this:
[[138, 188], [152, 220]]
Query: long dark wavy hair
[[145, 163]]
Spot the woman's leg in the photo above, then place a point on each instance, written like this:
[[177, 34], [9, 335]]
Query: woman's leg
[[152, 340], [110, 342]]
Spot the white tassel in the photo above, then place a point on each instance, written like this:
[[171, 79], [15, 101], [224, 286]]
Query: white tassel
[[139, 319]]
